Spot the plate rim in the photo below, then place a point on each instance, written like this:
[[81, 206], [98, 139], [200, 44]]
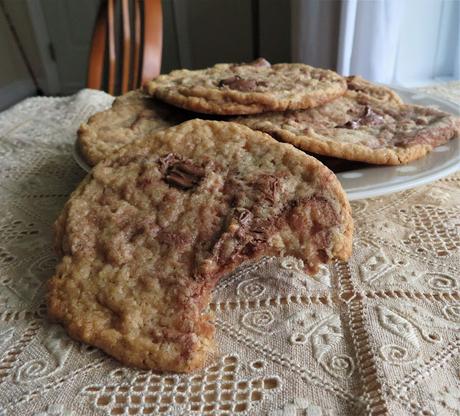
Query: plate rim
[[78, 158]]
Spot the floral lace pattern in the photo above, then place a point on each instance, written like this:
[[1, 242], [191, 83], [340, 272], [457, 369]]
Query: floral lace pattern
[[377, 335]]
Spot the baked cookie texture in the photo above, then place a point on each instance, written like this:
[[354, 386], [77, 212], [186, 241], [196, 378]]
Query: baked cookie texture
[[368, 124], [360, 86], [132, 116], [144, 239], [232, 89]]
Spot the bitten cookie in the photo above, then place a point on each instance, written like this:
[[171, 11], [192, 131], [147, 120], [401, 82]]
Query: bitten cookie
[[367, 124], [232, 89], [144, 239], [133, 115]]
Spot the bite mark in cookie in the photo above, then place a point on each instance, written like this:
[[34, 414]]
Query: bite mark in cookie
[[147, 235]]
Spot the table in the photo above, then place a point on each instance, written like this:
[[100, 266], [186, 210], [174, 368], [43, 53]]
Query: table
[[377, 335]]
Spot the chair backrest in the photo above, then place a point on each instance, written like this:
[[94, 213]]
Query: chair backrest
[[141, 45]]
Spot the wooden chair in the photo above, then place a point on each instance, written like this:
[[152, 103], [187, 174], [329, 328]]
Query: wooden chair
[[142, 41]]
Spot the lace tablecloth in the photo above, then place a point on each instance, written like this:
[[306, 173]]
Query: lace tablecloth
[[377, 335]]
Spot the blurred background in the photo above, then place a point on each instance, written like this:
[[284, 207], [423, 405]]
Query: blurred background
[[45, 44]]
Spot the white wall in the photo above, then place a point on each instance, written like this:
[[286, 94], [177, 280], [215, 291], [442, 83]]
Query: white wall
[[15, 82], [70, 26]]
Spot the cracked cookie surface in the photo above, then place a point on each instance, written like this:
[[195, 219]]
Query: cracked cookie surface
[[232, 89], [368, 124], [133, 115], [144, 239]]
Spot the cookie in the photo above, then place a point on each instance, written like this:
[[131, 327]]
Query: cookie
[[133, 115], [368, 125], [147, 235], [358, 86], [232, 89]]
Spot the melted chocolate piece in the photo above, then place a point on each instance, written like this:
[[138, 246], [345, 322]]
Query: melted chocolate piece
[[351, 85], [318, 75], [269, 185], [260, 62], [352, 124], [245, 217], [317, 222], [240, 84], [369, 118], [179, 173]]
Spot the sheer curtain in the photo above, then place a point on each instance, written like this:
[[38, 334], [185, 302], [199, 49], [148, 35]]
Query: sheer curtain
[[369, 38], [403, 42], [406, 42]]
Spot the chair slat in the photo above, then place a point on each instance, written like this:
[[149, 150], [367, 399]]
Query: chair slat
[[126, 46], [137, 43], [96, 57], [153, 40], [112, 53], [144, 33]]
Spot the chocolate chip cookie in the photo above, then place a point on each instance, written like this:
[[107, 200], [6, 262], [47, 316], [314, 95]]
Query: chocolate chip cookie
[[133, 115], [232, 89], [367, 124], [360, 86], [144, 239]]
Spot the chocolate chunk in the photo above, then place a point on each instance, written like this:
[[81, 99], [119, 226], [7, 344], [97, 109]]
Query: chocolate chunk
[[351, 84], [180, 173], [352, 124], [420, 121], [260, 62], [268, 185], [273, 185], [184, 176], [318, 75], [240, 84], [245, 217], [352, 87], [369, 118], [314, 216]]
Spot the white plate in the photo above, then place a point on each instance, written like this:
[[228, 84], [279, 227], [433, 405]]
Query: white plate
[[380, 180]]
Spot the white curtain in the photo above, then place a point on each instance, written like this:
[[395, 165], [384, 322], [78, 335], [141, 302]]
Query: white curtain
[[369, 38], [404, 42]]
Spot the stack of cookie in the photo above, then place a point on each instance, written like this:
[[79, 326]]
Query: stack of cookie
[[176, 201], [313, 109]]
